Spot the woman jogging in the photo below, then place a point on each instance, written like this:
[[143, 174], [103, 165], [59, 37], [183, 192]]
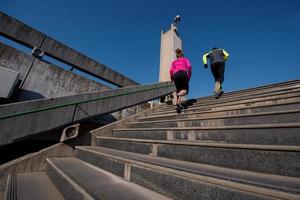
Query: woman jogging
[[180, 73]]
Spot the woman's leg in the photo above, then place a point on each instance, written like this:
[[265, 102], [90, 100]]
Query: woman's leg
[[175, 98], [180, 94]]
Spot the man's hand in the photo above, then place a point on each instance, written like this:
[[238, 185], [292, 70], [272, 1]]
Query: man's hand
[[205, 66]]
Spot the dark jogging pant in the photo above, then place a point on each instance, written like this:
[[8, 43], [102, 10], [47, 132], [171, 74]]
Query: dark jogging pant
[[218, 70]]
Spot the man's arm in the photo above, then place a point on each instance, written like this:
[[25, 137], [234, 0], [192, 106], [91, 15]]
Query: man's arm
[[205, 60], [226, 55]]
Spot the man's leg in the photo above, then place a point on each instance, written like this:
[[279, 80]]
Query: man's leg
[[221, 70], [214, 71]]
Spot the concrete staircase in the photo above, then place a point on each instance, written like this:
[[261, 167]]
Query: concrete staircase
[[243, 146]]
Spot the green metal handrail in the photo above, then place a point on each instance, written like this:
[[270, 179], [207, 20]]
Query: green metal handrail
[[72, 103]]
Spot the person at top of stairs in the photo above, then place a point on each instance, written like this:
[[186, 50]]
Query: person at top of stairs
[[217, 58], [180, 73]]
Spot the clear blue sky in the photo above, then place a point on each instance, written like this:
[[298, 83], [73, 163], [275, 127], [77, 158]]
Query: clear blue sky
[[261, 36]]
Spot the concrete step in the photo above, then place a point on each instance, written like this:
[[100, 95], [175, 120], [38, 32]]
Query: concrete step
[[10, 191], [260, 89], [186, 180], [265, 101], [270, 159], [255, 91], [224, 112], [270, 134], [277, 97], [31, 185], [80, 180], [290, 116], [36, 186]]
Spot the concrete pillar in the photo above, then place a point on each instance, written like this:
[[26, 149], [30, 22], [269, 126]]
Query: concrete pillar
[[170, 41]]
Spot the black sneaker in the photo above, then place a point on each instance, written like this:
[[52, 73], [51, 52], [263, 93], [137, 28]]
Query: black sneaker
[[217, 95], [178, 109]]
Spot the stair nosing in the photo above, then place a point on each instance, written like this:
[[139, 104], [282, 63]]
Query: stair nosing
[[250, 126], [65, 176], [210, 144], [221, 117]]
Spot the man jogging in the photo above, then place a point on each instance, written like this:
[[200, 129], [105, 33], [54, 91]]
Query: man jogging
[[217, 59]]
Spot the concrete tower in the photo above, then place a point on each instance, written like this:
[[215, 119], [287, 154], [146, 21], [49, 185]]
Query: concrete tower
[[170, 41]]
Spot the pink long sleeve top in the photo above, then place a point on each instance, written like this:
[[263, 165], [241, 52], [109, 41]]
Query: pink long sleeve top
[[181, 64]]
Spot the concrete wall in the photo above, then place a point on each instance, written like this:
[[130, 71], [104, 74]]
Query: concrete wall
[[41, 79], [170, 41], [65, 113], [34, 162]]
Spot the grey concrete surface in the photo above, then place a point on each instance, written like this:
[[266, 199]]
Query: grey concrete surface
[[180, 188], [44, 80], [8, 82], [36, 186], [49, 81], [14, 59], [17, 31], [68, 187], [136, 147]]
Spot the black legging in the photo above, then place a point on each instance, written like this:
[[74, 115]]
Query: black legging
[[217, 70], [181, 81]]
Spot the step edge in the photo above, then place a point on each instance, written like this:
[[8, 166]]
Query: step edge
[[221, 117], [289, 148], [75, 186], [254, 126]]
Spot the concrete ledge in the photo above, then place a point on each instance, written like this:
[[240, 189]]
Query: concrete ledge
[[34, 162], [49, 114]]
